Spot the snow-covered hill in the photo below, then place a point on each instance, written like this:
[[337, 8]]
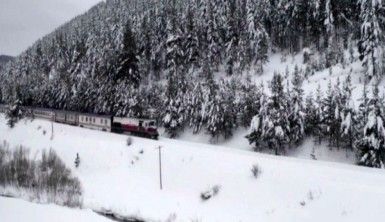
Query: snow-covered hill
[[125, 179]]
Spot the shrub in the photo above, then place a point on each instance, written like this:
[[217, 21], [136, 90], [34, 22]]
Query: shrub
[[129, 141], [255, 170], [77, 160], [14, 113], [44, 180], [210, 193]]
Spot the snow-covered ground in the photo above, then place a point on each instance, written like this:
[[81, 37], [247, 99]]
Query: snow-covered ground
[[309, 149], [125, 179], [14, 210]]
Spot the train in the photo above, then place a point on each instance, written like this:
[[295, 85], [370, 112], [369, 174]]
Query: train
[[135, 126]]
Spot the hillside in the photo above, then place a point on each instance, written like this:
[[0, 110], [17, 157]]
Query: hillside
[[286, 70], [125, 179], [4, 59]]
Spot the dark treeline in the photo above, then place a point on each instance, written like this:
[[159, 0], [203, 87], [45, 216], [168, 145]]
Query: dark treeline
[[127, 57]]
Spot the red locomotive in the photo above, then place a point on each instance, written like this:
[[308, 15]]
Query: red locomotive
[[140, 127]]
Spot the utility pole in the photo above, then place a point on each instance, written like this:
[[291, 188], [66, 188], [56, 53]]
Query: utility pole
[[160, 167]]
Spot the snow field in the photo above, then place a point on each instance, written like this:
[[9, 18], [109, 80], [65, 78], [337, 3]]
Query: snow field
[[20, 210], [123, 179]]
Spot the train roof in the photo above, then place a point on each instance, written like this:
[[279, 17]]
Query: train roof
[[133, 118], [65, 111], [95, 115]]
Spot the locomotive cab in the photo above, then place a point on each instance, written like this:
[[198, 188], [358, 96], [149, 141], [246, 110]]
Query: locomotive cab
[[142, 127]]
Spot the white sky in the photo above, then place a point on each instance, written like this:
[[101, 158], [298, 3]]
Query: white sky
[[22, 22]]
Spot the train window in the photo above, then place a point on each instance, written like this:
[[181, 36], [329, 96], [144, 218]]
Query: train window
[[140, 123], [152, 123], [86, 119]]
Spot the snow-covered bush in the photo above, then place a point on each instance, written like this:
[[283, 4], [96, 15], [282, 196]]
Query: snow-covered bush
[[129, 141], [77, 160], [43, 180], [13, 113], [210, 193], [255, 170]]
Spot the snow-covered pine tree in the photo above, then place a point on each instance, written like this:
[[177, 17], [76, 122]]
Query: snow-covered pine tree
[[310, 115], [349, 130], [221, 116], [336, 124], [371, 40], [274, 124], [257, 125], [173, 117], [296, 115], [319, 115], [231, 37], [190, 41], [249, 102], [215, 119], [371, 147], [334, 53], [213, 36], [262, 48], [14, 113], [328, 110], [257, 38], [127, 67], [277, 127], [196, 108], [145, 47], [363, 109]]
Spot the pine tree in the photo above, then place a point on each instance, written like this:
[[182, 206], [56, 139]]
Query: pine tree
[[370, 43], [196, 109], [173, 118], [331, 50], [231, 37], [363, 110], [213, 37], [257, 125], [278, 125], [128, 58], [270, 126], [14, 113], [215, 119], [319, 115], [262, 48], [221, 117], [371, 148], [249, 102], [337, 120], [296, 116], [348, 126], [310, 115]]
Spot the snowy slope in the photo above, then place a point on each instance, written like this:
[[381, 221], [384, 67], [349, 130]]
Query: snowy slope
[[125, 179], [320, 78], [14, 210]]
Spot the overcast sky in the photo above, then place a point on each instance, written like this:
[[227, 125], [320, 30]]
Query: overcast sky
[[22, 22]]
